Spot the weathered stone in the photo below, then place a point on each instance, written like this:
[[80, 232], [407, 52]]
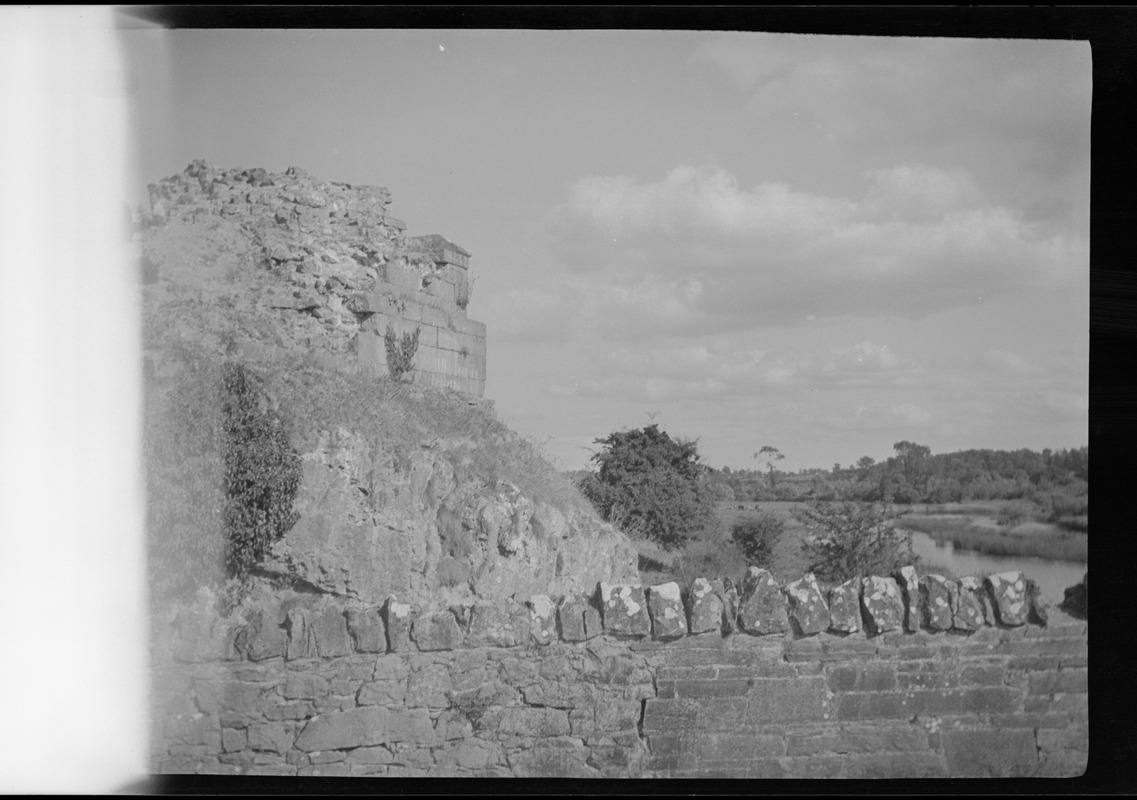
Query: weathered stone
[[1009, 591], [436, 631], [972, 608], [262, 638], [330, 632], [365, 727], [554, 759], [397, 619], [233, 740], [301, 642], [808, 610], [428, 687], [935, 598], [882, 603], [503, 624], [215, 696], [845, 607], [542, 619], [908, 581], [304, 686], [706, 606], [762, 607], [367, 630], [571, 617], [275, 737], [990, 754], [624, 610], [665, 606]]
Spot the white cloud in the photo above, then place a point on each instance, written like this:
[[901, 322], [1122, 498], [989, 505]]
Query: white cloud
[[696, 253], [879, 416]]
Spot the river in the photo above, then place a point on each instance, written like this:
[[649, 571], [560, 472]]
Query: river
[[1053, 577]]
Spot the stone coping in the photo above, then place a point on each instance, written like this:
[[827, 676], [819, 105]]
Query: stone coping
[[901, 603]]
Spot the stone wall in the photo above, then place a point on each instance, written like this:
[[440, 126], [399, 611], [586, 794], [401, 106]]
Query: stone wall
[[344, 269], [904, 676]]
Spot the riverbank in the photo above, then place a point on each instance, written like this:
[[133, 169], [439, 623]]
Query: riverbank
[[983, 535]]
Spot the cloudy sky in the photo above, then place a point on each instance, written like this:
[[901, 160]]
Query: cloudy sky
[[825, 244]]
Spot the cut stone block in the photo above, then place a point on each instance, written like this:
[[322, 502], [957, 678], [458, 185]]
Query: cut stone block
[[542, 619], [935, 598], [398, 621], [1008, 590], [579, 618], [909, 583], [367, 630], [807, 605], [665, 605], [972, 608], [882, 603], [845, 607], [436, 631], [762, 607], [503, 624], [707, 606], [624, 609]]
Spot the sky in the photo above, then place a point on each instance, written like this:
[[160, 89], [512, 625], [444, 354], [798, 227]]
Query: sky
[[824, 244]]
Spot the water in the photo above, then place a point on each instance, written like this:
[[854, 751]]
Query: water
[[1053, 577]]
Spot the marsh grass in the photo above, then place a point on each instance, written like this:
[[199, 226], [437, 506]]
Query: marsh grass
[[1030, 539]]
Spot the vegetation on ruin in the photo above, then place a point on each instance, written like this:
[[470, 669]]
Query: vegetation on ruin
[[221, 478], [400, 352]]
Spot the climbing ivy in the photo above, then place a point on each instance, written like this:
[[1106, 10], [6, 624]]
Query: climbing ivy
[[221, 478], [262, 473]]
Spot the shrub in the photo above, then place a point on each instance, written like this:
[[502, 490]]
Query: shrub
[[400, 352], [851, 539], [262, 473], [757, 537], [221, 478], [650, 485]]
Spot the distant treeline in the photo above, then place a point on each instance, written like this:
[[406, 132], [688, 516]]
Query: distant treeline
[[1051, 485]]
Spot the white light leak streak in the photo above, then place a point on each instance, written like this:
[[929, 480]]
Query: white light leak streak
[[73, 672]]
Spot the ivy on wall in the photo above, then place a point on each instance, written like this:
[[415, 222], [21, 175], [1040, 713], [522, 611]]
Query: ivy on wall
[[221, 478]]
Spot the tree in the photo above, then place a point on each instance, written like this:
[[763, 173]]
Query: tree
[[849, 539], [650, 485], [913, 458], [769, 455]]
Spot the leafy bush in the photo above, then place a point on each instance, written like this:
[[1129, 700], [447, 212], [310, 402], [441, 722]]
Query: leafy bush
[[221, 478], [400, 352], [650, 485], [850, 539], [757, 537], [262, 473]]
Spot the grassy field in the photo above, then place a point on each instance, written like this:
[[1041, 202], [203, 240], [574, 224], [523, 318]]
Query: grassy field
[[969, 526]]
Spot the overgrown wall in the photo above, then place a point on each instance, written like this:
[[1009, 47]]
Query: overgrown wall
[[759, 682]]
